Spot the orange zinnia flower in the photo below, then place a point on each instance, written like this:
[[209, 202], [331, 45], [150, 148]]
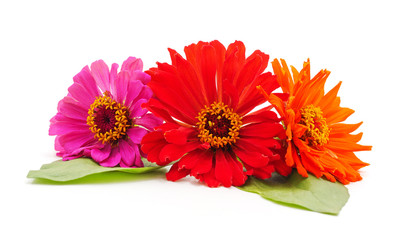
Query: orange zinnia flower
[[317, 141]]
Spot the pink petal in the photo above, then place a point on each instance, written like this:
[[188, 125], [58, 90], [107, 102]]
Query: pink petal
[[149, 121], [85, 79], [136, 110], [100, 155], [146, 93], [134, 88], [67, 126], [138, 160], [121, 85], [136, 134], [82, 151], [113, 78], [141, 76], [58, 146], [71, 109], [127, 154], [113, 160], [101, 74], [74, 140], [132, 64], [79, 93]]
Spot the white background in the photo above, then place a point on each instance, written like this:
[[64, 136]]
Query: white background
[[43, 44]]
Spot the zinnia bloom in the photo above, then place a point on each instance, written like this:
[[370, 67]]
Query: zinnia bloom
[[206, 101], [317, 140], [102, 118]]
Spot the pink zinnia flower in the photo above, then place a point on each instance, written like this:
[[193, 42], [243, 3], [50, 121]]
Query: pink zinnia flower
[[102, 118]]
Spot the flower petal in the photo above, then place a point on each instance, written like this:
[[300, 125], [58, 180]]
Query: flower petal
[[85, 79], [79, 93], [204, 163], [223, 171], [148, 121], [75, 140], [112, 160], [100, 155], [127, 153], [136, 134], [176, 173], [172, 152], [136, 109], [101, 74], [238, 176], [178, 136], [71, 109], [254, 159], [132, 64]]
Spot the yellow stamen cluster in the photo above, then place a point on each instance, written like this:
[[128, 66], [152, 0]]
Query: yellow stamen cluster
[[218, 125], [121, 115], [317, 133]]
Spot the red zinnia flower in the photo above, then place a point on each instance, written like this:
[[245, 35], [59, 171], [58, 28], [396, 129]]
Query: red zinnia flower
[[206, 101]]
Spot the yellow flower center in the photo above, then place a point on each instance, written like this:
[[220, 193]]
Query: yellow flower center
[[218, 125], [317, 133], [108, 120]]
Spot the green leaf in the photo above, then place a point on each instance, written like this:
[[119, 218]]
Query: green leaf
[[62, 171], [310, 193]]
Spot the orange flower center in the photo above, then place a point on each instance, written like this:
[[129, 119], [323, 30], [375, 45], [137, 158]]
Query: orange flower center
[[218, 125], [108, 120], [317, 133]]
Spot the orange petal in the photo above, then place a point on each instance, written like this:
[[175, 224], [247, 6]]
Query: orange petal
[[343, 128]]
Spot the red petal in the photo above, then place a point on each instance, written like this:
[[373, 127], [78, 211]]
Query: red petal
[[252, 97], [230, 94], [265, 142], [265, 59], [172, 152], [159, 110], [220, 55], [262, 173], [282, 168], [191, 82], [266, 116], [190, 160], [254, 159], [208, 71], [238, 176], [248, 72], [175, 173], [178, 136], [223, 172], [263, 130], [209, 178], [173, 101], [236, 50], [234, 59], [150, 140], [204, 164]]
